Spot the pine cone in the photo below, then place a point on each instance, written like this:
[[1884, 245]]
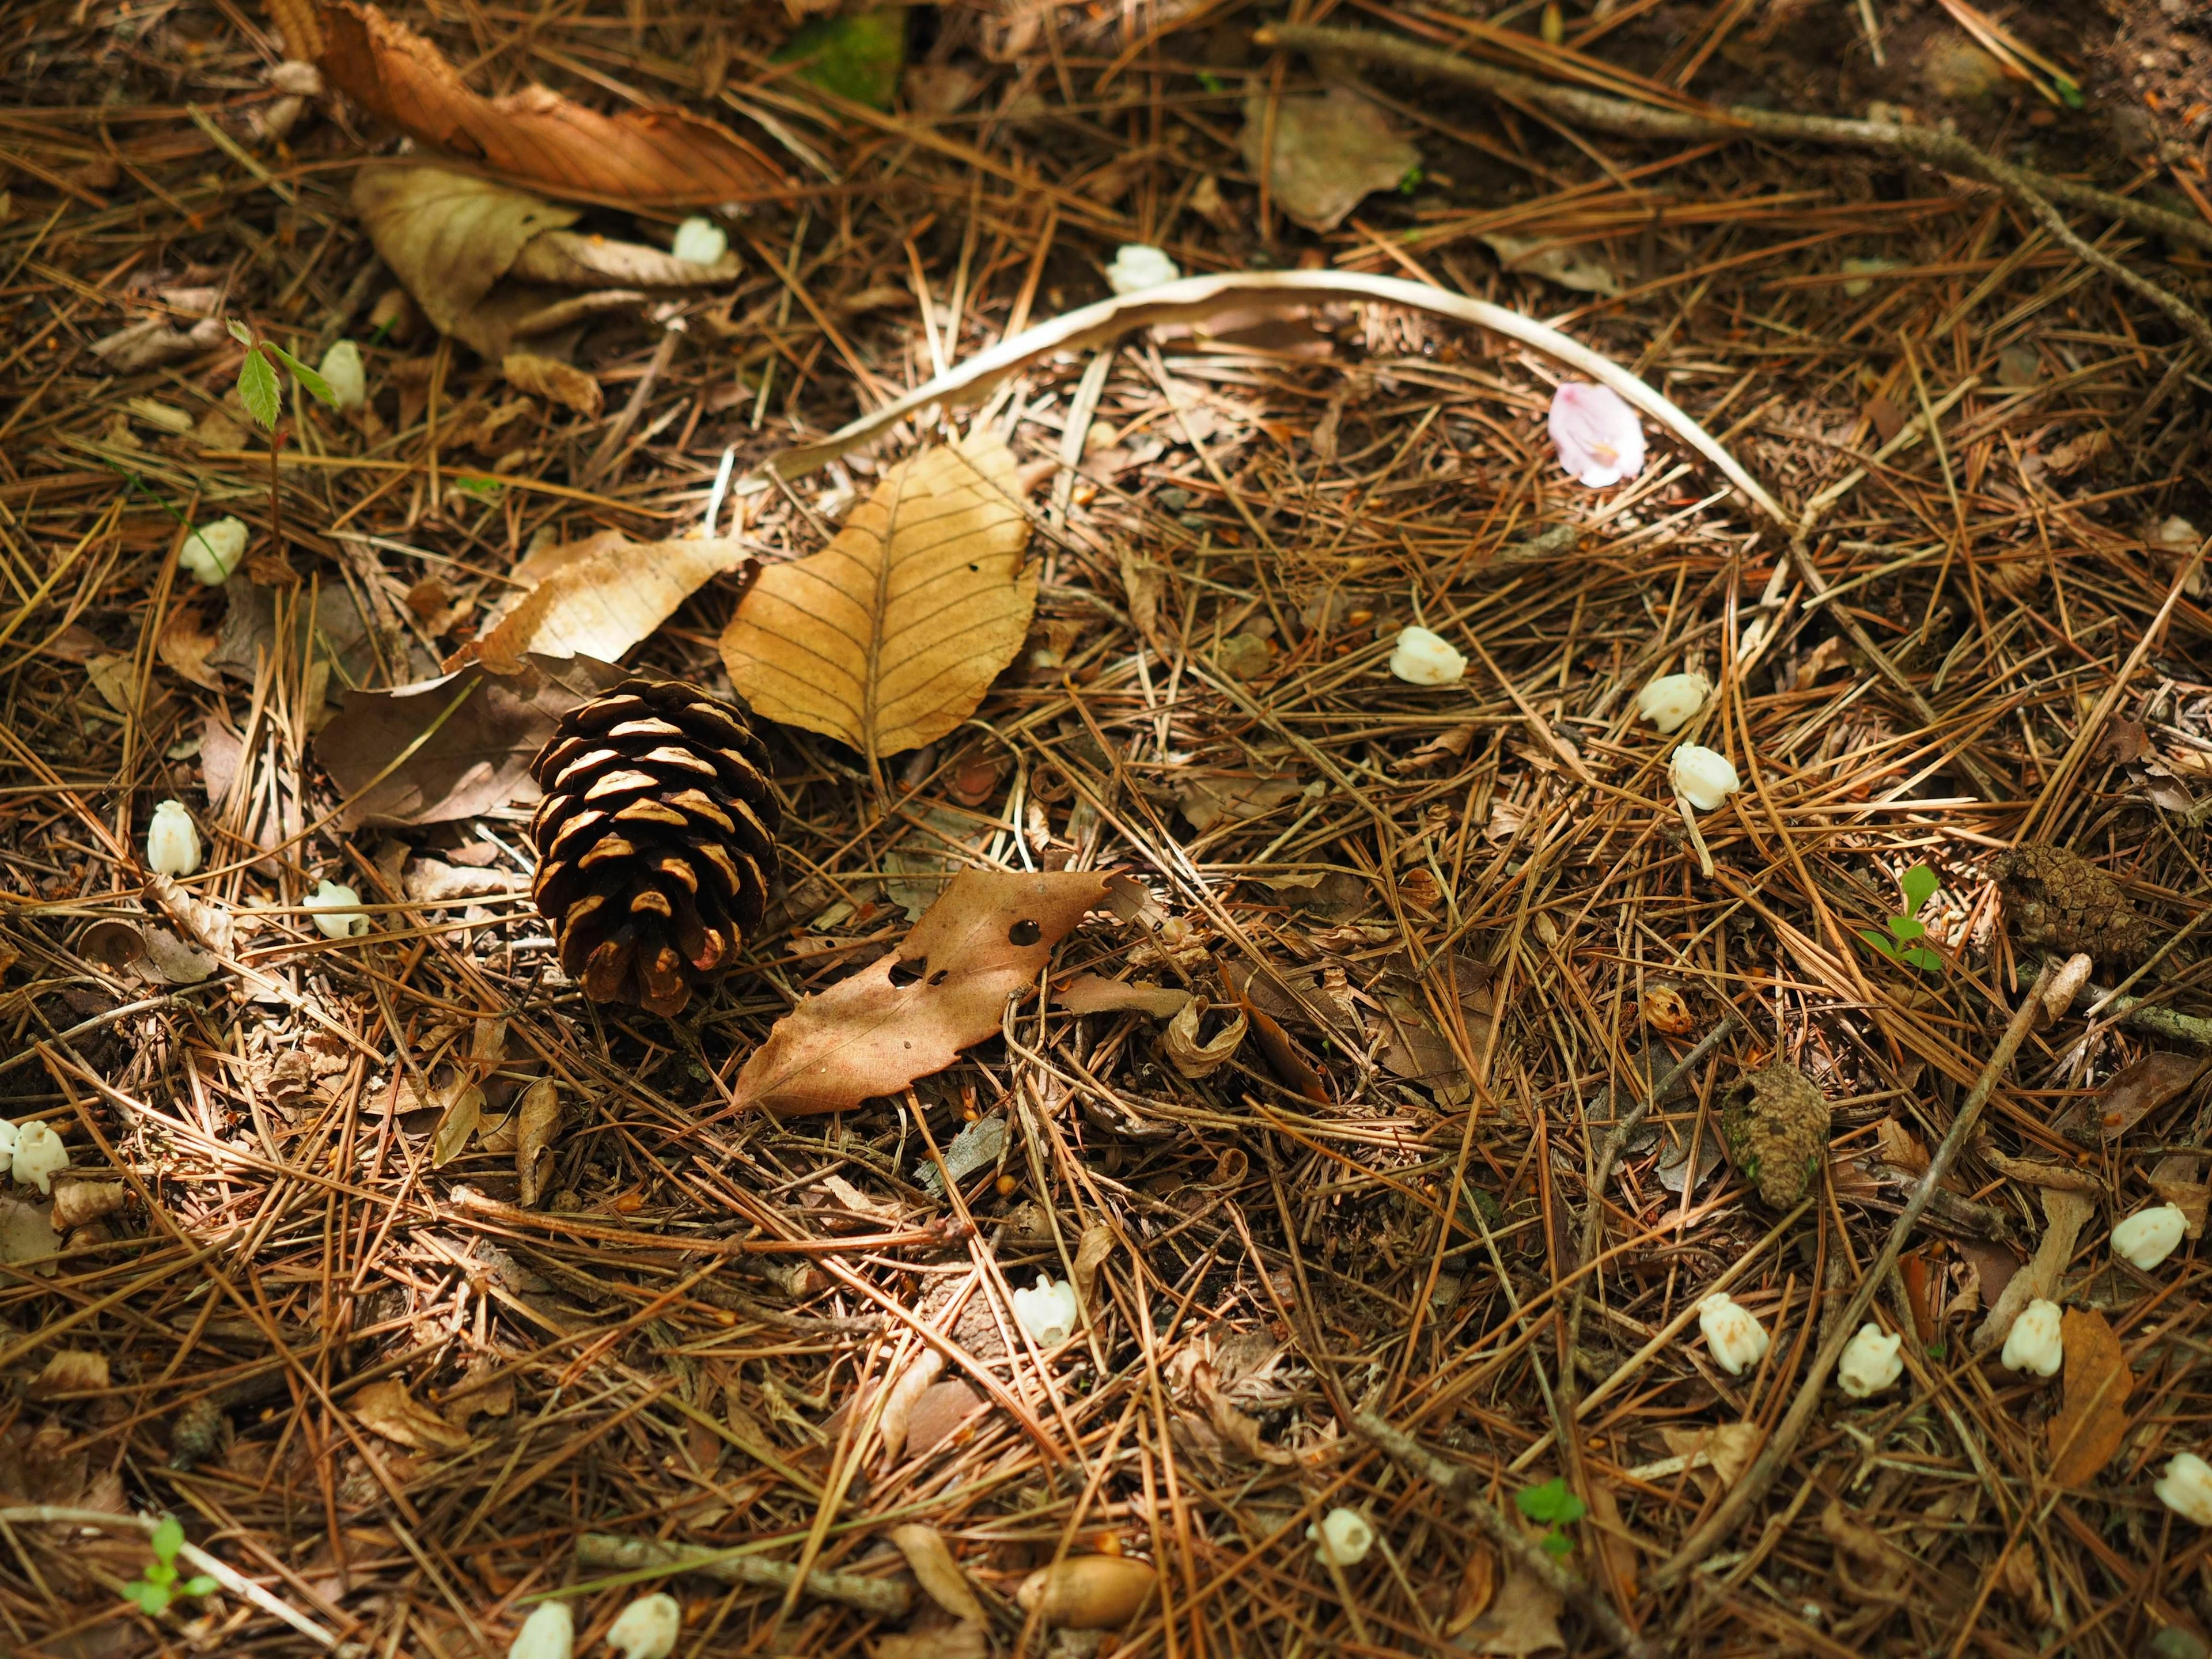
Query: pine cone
[[655, 841], [2058, 900]]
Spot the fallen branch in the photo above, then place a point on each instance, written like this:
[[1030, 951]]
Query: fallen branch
[[1782, 1445], [1522, 1551], [2034, 191], [884, 1598]]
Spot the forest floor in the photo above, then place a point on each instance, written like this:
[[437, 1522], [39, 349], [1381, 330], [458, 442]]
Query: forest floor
[[1430, 1244]]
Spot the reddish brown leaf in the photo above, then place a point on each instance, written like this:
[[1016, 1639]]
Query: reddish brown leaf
[[911, 1013], [642, 156], [2089, 1428], [2141, 1087]]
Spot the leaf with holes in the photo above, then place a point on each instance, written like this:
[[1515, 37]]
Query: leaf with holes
[[911, 1013], [889, 637]]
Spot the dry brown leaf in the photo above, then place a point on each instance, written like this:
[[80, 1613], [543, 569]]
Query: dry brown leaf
[[184, 645], [451, 238], [910, 1012], [906, 1388], [2037, 1173], [598, 597], [27, 1234], [1091, 993], [1098, 1241], [1478, 1585], [458, 1126], [1860, 1541], [1329, 151], [116, 679], [487, 1389], [73, 1371], [2065, 1213], [2090, 1426], [2141, 1088], [1725, 1448], [388, 1408], [539, 1128], [961, 1641], [937, 1572], [2175, 1179], [455, 747], [1523, 1617], [202, 923], [1900, 1147], [549, 377], [889, 637], [77, 1202], [645, 156], [937, 1415], [1616, 1546]]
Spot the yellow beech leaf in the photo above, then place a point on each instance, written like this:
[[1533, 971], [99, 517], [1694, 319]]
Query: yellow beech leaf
[[889, 637]]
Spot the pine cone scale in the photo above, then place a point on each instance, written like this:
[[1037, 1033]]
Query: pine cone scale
[[656, 839]]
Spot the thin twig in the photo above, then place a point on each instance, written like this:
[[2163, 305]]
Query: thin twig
[[1783, 1444], [886, 1598]]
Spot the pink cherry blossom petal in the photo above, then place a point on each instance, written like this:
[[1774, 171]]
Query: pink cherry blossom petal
[[1597, 435]]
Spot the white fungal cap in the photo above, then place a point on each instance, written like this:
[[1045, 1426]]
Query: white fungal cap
[[1138, 266], [337, 913], [2033, 1344], [1738, 1341], [2149, 1236], [700, 241], [1869, 1364], [7, 1145], [1343, 1537], [172, 841], [1672, 701], [346, 375], [647, 1628], [2186, 1488], [1426, 658], [1049, 1313], [39, 1155], [212, 551], [549, 1632], [1596, 433], [1702, 776]]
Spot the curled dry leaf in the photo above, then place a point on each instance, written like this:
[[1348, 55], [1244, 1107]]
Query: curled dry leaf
[[202, 923], [937, 1415], [898, 1410], [455, 747], [1098, 1241], [2065, 1214], [78, 1203], [598, 597], [551, 379], [1327, 153], [27, 1234], [184, 644], [391, 1412], [2140, 1087], [1195, 1057], [937, 1572], [464, 1111], [1523, 1617], [490, 266], [537, 1128], [889, 637], [2090, 1426], [648, 155], [2177, 1179], [910, 1013]]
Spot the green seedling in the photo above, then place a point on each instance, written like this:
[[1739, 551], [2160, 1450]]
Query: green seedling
[[159, 1586], [257, 386], [1919, 883], [1552, 1505]]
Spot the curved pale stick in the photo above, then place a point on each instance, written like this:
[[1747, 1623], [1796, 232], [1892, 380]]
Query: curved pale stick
[[1193, 299]]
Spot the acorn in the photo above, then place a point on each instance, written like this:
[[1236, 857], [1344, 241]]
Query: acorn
[[656, 840]]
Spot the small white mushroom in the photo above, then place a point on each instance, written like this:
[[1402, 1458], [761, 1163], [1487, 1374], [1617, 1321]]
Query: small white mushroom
[[39, 1155], [2186, 1488], [212, 551], [701, 241], [1426, 658], [1137, 267], [1672, 701], [1049, 1313], [1343, 1537], [1869, 1364], [172, 843], [2149, 1236], [1738, 1341], [2033, 1344], [337, 913], [647, 1628], [7, 1145], [1702, 776], [343, 372], [549, 1632]]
